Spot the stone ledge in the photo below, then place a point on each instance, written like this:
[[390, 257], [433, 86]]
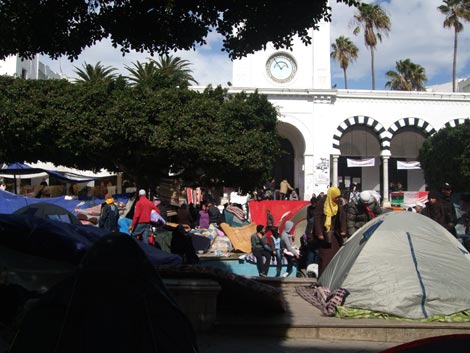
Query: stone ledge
[[197, 298]]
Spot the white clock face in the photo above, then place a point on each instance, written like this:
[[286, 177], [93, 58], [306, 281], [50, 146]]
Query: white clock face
[[281, 67]]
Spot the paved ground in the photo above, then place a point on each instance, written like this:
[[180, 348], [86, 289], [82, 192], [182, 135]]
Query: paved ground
[[310, 332], [237, 344]]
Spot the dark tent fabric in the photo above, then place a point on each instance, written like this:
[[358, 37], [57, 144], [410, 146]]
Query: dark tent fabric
[[115, 302], [47, 238], [31, 247], [10, 202], [447, 343], [48, 211], [62, 241]]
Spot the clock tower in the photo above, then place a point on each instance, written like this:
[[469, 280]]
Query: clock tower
[[301, 67]]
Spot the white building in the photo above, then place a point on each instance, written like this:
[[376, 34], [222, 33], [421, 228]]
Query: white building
[[344, 136], [31, 69]]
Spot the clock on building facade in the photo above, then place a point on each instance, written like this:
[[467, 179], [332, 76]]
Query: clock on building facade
[[281, 67]]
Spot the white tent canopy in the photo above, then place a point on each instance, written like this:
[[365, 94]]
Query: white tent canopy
[[403, 264], [103, 173]]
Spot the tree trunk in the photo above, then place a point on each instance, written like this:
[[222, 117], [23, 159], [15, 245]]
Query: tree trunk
[[454, 66], [345, 79], [372, 67]]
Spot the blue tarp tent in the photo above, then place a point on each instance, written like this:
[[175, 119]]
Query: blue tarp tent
[[33, 247], [9, 202]]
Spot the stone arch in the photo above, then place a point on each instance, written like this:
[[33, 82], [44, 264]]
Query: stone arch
[[289, 129], [407, 136], [382, 134], [455, 122], [418, 123]]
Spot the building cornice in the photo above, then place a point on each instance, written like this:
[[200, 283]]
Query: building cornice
[[331, 95], [403, 95]]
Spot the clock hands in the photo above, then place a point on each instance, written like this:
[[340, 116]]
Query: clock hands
[[280, 64]]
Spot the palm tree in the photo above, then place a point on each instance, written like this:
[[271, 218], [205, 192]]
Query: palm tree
[[175, 68], [374, 22], [344, 51], [142, 72], [454, 10], [408, 77], [96, 73]]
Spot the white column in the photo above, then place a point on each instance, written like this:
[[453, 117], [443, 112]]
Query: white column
[[119, 183], [385, 158], [334, 172]]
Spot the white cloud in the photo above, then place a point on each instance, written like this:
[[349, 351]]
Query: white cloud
[[417, 33]]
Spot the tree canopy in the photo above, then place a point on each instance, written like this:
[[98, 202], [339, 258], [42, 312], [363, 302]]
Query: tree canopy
[[445, 156], [373, 21], [66, 27], [207, 136], [344, 51], [408, 77], [454, 11], [98, 72]]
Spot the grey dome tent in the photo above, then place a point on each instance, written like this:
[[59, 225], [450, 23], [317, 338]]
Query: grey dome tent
[[403, 264]]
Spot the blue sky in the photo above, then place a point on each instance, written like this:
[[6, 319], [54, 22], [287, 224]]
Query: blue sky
[[417, 33]]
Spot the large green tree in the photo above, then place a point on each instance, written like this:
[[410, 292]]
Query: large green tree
[[66, 27], [407, 77], [205, 136], [454, 11], [374, 22], [344, 51], [445, 156]]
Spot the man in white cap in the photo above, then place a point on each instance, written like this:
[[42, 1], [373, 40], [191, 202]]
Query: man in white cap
[[361, 210], [141, 221]]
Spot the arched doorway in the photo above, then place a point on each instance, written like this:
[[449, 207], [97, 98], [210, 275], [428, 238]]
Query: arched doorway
[[284, 166], [404, 147], [291, 163], [359, 142]]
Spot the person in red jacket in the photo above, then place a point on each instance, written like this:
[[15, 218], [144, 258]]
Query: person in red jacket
[[141, 220]]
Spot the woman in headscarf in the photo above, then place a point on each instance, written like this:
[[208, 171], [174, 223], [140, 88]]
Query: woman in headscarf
[[330, 216]]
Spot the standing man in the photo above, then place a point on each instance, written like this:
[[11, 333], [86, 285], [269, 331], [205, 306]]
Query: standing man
[[261, 250], [435, 209], [269, 189], [214, 213], [284, 187], [109, 214], [141, 220], [361, 210], [449, 208]]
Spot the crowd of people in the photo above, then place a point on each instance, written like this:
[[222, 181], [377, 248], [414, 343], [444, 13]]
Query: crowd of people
[[330, 221]]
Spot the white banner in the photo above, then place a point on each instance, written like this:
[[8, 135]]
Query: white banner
[[368, 162], [408, 165]]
